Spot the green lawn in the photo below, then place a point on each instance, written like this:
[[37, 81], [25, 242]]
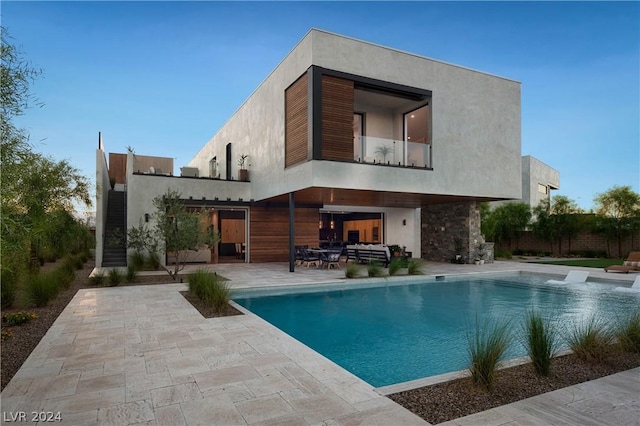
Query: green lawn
[[589, 263]]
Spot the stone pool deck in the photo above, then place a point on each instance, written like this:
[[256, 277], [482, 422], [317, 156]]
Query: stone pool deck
[[144, 355]]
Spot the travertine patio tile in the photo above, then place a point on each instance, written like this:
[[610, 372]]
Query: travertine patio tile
[[395, 416], [175, 394], [52, 387], [217, 410], [267, 360], [188, 364], [317, 408], [265, 408], [272, 381], [100, 383], [351, 389], [199, 346], [289, 420], [89, 417], [51, 369], [128, 365], [138, 386], [127, 413], [169, 415], [223, 376], [87, 401], [223, 361], [16, 387], [236, 392]]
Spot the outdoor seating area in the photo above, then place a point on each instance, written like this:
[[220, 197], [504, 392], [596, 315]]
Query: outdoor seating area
[[369, 253], [319, 258], [631, 263]]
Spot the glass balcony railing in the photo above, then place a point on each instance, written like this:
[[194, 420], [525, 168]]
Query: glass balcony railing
[[374, 150]]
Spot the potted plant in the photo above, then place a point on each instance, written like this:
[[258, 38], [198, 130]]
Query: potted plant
[[395, 250], [383, 150], [243, 173], [481, 253]]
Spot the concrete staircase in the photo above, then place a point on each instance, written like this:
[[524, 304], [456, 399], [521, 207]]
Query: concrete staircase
[[115, 249]]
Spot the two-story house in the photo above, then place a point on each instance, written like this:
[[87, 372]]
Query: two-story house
[[346, 140]]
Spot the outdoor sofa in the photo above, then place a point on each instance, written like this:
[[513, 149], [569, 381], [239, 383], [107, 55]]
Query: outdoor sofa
[[632, 263]]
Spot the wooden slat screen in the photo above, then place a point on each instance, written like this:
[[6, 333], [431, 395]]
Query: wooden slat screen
[[296, 122], [118, 167], [337, 118], [269, 235]]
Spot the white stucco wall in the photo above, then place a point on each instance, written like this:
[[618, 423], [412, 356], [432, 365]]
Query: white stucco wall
[[142, 189], [476, 125], [102, 194], [536, 172]]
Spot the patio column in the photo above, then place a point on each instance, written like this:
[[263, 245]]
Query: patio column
[[292, 232]]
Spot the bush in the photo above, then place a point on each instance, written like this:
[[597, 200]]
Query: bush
[[374, 269], [500, 253], [395, 266], [591, 341], [8, 287], [65, 274], [96, 279], [486, 349], [132, 274], [415, 267], [351, 271], [137, 260], [153, 261], [115, 277], [41, 288], [589, 253], [628, 333], [541, 342], [211, 288], [18, 318]]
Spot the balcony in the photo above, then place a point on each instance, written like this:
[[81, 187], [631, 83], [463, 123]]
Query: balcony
[[375, 150]]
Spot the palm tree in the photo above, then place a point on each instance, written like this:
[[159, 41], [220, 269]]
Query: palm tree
[[383, 150]]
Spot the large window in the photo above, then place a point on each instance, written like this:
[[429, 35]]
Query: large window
[[418, 137]]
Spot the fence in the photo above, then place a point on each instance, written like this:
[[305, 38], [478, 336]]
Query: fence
[[583, 242]]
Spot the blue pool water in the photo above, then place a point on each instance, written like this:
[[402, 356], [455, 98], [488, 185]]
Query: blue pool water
[[395, 333]]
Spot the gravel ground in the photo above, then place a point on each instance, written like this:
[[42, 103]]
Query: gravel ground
[[435, 404]]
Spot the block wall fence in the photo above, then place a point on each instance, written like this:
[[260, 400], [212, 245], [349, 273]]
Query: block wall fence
[[528, 241]]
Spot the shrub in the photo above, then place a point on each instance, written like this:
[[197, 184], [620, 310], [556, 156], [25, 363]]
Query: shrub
[[132, 274], [137, 260], [591, 340], [115, 277], [6, 334], [153, 261], [18, 318], [505, 254], [395, 266], [374, 269], [8, 287], [351, 271], [541, 341], [84, 257], [97, 278], [414, 267], [628, 333], [78, 262], [211, 288], [486, 348], [65, 274], [41, 288]]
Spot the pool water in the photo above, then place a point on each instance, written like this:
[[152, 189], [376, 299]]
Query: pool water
[[396, 333]]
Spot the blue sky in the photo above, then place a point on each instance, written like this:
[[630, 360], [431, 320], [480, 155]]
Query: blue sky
[[162, 77]]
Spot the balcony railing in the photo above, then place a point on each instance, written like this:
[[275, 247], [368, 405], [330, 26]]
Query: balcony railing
[[371, 149]]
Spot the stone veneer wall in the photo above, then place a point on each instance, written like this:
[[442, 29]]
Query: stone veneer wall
[[445, 224]]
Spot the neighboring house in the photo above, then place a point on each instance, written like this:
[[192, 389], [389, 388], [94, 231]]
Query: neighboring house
[[538, 180], [350, 141]]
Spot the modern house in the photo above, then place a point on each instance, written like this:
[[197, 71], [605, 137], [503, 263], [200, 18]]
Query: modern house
[[538, 180], [346, 140]]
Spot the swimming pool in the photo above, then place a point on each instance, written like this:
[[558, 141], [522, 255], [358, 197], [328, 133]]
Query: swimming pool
[[394, 333]]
